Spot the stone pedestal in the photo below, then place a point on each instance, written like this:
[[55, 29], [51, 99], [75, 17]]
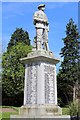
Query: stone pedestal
[[40, 87], [40, 110], [40, 78]]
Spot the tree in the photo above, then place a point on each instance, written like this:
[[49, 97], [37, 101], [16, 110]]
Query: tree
[[19, 35], [13, 69], [69, 74]]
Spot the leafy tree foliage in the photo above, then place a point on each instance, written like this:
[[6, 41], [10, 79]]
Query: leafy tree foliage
[[19, 35], [69, 71], [13, 69]]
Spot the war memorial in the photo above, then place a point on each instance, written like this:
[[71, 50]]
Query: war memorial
[[40, 84]]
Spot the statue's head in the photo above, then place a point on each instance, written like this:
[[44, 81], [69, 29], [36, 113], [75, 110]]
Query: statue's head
[[41, 7]]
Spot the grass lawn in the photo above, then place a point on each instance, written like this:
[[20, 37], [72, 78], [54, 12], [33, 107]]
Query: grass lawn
[[6, 115]]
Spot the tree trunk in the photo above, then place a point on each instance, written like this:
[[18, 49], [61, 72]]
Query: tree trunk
[[74, 93]]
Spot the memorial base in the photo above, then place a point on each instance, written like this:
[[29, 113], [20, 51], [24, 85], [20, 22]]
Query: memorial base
[[41, 112]]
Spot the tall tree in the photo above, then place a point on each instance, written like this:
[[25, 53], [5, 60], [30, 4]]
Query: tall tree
[[19, 35], [69, 72], [13, 69]]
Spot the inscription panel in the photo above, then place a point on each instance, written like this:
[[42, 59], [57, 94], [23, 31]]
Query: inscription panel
[[32, 73], [49, 83]]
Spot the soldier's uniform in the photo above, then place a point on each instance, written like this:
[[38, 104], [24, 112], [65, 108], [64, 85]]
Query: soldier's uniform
[[42, 28]]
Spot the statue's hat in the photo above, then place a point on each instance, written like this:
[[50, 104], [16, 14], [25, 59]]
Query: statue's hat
[[41, 5]]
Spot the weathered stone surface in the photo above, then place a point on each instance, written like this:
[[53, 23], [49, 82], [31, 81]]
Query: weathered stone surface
[[40, 55], [40, 76], [32, 70], [40, 110], [49, 83]]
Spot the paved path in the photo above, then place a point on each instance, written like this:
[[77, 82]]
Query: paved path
[[7, 110]]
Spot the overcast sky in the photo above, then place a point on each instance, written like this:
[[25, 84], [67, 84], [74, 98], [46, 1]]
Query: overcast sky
[[20, 15]]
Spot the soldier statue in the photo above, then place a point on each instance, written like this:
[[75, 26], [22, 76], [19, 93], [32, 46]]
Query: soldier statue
[[42, 28]]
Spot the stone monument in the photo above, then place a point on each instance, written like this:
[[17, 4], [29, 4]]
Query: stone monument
[[40, 86]]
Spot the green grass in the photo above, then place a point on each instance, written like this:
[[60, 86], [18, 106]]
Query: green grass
[[65, 111], [0, 116], [7, 114]]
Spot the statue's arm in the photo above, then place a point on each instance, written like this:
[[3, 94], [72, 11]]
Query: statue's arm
[[34, 22], [34, 19]]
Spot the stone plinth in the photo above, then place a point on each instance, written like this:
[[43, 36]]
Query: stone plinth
[[47, 112], [40, 78], [40, 110]]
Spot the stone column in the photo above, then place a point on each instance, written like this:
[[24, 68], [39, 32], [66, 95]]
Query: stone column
[[25, 85], [55, 86], [40, 84]]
